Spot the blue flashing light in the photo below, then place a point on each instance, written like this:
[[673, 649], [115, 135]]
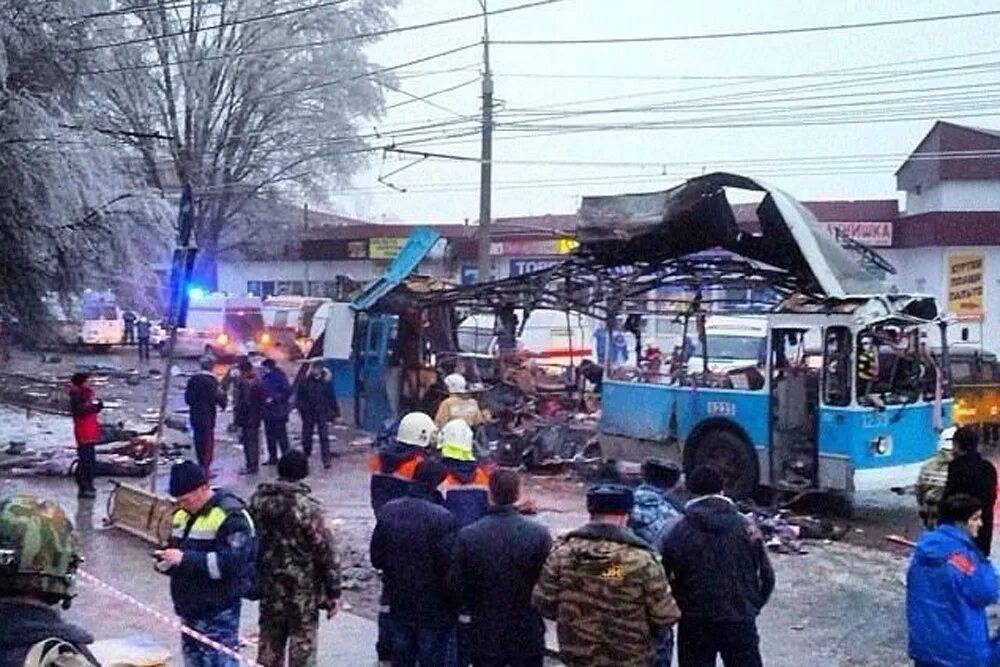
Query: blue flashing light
[[196, 293]]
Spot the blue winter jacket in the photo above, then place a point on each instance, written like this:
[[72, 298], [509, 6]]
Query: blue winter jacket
[[653, 515], [948, 586]]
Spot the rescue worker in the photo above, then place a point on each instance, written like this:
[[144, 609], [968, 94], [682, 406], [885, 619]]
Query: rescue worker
[[39, 555], [605, 588], [719, 569], [949, 584], [277, 406], [128, 328], [297, 566], [464, 487], [86, 430], [393, 465], [248, 411], [204, 397], [143, 329], [867, 369], [933, 478], [317, 405], [459, 404], [971, 474], [494, 567], [211, 559], [411, 545]]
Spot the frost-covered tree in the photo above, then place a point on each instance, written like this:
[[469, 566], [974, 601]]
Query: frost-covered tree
[[259, 97], [71, 214]]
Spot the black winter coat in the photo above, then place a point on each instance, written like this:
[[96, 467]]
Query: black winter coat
[[25, 624], [204, 396], [412, 544], [277, 395], [248, 403], [716, 562], [315, 398], [974, 475], [495, 565]]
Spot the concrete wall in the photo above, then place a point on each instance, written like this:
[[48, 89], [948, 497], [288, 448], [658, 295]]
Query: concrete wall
[[923, 270], [955, 196]]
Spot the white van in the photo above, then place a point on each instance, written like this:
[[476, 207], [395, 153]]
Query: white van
[[289, 321], [222, 326], [101, 320], [733, 342], [554, 337]]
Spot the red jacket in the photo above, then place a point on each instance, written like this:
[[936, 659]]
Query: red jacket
[[85, 426]]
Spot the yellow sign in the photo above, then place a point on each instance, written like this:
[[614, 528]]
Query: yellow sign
[[965, 285], [385, 248], [566, 246]]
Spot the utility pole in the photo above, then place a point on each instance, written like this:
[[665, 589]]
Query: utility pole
[[486, 157], [305, 262]]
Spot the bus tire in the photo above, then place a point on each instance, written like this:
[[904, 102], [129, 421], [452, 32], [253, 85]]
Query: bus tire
[[730, 454]]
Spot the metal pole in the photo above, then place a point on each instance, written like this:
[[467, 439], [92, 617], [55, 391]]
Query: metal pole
[[486, 158], [164, 395], [305, 230]]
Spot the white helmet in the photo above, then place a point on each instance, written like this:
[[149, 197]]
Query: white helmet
[[416, 428], [455, 383], [946, 440], [456, 441]]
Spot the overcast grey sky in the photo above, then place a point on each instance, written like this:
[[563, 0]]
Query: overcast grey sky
[[699, 87]]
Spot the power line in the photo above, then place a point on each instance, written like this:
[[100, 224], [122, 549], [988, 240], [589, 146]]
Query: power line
[[424, 98], [747, 33], [316, 43], [218, 26]]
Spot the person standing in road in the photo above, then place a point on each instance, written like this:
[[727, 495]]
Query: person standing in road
[[411, 545], [210, 558], [933, 478], [971, 474], [297, 567], [86, 430], [277, 406], [494, 567], [460, 404], [464, 487], [719, 570], [248, 411], [392, 466], [143, 329], [128, 328], [41, 554], [605, 588], [949, 584], [317, 406], [654, 514], [204, 398]]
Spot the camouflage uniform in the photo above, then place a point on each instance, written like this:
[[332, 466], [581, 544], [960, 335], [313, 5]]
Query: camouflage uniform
[[298, 571], [39, 554], [608, 593], [930, 487]]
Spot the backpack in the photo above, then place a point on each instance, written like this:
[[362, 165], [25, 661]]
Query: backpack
[[55, 652]]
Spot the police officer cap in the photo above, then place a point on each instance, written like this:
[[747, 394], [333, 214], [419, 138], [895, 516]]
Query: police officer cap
[[186, 477], [609, 499]]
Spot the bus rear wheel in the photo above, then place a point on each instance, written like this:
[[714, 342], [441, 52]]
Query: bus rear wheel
[[728, 453]]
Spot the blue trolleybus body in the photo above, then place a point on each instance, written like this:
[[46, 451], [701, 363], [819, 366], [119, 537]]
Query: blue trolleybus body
[[803, 419]]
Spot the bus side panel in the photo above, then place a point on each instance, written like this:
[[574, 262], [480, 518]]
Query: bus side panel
[[343, 385], [636, 410], [643, 411], [906, 431]]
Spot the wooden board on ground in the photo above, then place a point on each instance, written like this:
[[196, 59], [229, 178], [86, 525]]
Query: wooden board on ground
[[141, 513]]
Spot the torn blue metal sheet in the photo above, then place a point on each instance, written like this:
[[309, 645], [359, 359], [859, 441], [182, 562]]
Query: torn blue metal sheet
[[418, 244]]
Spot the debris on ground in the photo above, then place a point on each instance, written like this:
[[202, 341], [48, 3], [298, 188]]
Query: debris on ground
[[784, 532]]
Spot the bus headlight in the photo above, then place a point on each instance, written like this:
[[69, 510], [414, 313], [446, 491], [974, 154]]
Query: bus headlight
[[222, 339], [881, 445], [265, 338]]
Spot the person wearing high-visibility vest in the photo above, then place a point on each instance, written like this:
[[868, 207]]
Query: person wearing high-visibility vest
[[466, 481]]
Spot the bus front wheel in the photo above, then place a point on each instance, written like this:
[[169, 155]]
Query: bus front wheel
[[732, 456]]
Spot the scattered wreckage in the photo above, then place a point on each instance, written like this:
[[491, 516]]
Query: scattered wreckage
[[809, 415]]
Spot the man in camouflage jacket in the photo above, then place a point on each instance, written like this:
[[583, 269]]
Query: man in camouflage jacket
[[298, 572], [606, 589]]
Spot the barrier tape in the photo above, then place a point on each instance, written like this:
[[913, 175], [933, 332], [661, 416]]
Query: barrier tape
[[167, 620]]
